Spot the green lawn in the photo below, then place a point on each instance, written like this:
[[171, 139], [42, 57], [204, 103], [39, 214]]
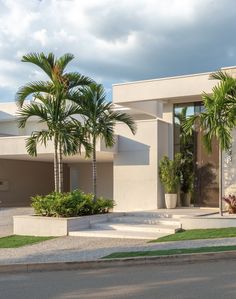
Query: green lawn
[[194, 234], [169, 252], [18, 241]]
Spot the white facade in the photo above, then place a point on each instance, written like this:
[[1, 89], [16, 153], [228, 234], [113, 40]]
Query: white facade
[[129, 171]]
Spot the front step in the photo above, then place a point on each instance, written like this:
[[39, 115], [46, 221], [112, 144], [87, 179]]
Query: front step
[[141, 225], [156, 215], [160, 228], [116, 234], [146, 220]]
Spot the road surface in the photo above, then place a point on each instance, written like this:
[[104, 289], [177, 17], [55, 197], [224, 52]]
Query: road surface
[[199, 280]]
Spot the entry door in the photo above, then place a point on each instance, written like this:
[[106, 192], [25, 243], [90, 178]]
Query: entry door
[[206, 174]]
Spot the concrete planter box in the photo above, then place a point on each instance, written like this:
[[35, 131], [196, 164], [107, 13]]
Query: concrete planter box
[[32, 225]]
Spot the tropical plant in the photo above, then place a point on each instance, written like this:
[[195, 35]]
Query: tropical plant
[[231, 202], [187, 174], [218, 118], [52, 104], [100, 119], [169, 172], [186, 149], [70, 204]]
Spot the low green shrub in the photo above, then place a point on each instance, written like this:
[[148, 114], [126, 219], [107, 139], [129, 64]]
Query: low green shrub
[[70, 204]]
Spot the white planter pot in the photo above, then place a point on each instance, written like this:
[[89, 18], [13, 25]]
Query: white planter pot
[[170, 200]]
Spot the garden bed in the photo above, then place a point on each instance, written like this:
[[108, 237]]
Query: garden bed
[[33, 225]]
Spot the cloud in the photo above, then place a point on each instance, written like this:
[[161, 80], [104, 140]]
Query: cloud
[[116, 41]]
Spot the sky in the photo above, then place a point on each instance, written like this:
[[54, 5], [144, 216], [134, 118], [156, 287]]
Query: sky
[[116, 41]]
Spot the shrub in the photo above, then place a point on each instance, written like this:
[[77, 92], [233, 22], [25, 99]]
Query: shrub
[[231, 201], [70, 204], [169, 172]]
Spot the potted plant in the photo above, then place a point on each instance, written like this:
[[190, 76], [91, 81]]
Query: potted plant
[[169, 172]]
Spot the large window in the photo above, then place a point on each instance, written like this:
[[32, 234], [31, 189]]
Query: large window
[[202, 166]]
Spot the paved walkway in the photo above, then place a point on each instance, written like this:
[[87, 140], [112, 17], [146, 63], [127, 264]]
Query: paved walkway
[[82, 249]]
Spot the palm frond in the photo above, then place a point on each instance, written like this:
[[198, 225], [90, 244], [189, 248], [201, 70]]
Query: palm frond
[[44, 62], [63, 61], [77, 80], [126, 119], [31, 89], [35, 138], [219, 75], [31, 110]]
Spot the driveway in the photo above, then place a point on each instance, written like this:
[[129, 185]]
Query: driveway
[[6, 219]]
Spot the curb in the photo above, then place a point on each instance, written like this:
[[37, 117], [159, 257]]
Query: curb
[[119, 262]]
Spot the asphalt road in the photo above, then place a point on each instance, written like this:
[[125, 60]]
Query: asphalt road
[[202, 280]]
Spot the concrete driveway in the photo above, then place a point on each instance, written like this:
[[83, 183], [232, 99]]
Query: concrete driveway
[[6, 219]]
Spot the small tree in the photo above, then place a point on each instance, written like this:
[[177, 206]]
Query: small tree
[[99, 121], [52, 104]]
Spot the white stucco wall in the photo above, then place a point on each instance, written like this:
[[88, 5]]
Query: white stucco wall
[[81, 177], [136, 182]]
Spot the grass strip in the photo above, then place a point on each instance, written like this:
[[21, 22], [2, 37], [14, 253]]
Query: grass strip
[[15, 241], [195, 234], [169, 252]]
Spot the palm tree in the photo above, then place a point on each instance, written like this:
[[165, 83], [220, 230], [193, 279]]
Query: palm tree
[[186, 149], [52, 103], [99, 121], [218, 118]]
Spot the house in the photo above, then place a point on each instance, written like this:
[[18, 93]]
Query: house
[[128, 172]]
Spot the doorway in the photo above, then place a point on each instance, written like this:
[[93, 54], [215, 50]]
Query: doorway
[[205, 166]]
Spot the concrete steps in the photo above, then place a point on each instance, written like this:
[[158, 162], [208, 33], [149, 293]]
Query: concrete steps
[[156, 215], [96, 233], [143, 225], [156, 228], [146, 220]]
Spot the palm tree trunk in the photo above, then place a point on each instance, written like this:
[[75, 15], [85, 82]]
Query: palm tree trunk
[[55, 165], [60, 170], [220, 183], [94, 171]]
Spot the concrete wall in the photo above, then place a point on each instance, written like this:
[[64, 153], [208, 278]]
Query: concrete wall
[[23, 179], [81, 177], [166, 88], [135, 167], [9, 128], [164, 148]]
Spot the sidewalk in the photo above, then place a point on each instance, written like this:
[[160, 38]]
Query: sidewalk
[[76, 249]]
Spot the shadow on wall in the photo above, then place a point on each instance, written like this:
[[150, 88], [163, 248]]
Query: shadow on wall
[[131, 152]]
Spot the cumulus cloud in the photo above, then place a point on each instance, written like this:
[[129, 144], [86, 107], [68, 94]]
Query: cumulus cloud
[[116, 41]]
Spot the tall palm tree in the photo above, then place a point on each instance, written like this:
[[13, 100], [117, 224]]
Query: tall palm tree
[[218, 118], [99, 121], [52, 103]]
